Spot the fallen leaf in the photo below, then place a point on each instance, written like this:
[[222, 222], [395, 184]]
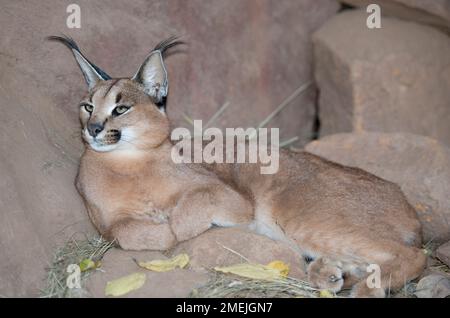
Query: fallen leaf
[[124, 285], [160, 265], [254, 271], [282, 267], [88, 264], [325, 294], [427, 251], [433, 286]]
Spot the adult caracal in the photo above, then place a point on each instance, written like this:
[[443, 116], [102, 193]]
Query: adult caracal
[[341, 218]]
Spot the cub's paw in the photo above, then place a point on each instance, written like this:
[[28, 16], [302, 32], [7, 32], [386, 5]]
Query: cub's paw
[[325, 274]]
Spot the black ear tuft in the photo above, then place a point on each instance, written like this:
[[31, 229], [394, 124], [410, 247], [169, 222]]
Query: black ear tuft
[[68, 41], [152, 74], [91, 72], [163, 46]]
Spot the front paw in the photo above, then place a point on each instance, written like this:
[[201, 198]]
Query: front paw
[[138, 235], [164, 241], [325, 274]]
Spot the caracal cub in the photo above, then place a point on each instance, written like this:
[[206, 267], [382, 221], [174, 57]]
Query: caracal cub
[[342, 219]]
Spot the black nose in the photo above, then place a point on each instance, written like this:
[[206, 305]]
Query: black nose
[[95, 128]]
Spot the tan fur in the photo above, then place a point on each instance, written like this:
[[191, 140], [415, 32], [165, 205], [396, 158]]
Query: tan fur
[[137, 195]]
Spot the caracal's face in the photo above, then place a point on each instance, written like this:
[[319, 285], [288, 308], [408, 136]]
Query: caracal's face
[[124, 115], [116, 115]]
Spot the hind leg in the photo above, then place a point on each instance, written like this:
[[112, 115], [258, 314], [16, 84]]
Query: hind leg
[[398, 263]]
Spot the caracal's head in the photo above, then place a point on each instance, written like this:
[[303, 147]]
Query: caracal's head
[[326, 274], [124, 114]]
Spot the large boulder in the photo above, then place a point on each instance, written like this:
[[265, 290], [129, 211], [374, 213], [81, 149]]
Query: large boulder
[[443, 253], [239, 53], [432, 12], [393, 79], [419, 165]]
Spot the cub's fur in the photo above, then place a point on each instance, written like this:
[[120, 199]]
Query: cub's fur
[[342, 218]]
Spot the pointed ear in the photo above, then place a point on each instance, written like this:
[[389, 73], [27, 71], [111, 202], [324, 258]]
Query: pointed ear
[[153, 74], [92, 74]]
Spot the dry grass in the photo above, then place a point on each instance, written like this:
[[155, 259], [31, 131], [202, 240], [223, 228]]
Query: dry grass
[[231, 286], [440, 267], [73, 252], [219, 286]]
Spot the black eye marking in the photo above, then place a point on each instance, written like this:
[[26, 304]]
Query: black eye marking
[[119, 110], [162, 103], [110, 87], [118, 98]]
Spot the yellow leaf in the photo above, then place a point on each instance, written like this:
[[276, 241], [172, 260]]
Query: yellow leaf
[[254, 271], [160, 265], [124, 285], [325, 294], [282, 267], [427, 251], [87, 264]]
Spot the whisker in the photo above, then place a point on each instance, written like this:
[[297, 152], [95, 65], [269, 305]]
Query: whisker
[[133, 143]]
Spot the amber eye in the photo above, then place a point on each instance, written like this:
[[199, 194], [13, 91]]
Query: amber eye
[[119, 110], [89, 108]]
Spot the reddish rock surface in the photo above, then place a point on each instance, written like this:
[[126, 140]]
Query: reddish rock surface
[[118, 263], [419, 165], [393, 79], [218, 247], [432, 12]]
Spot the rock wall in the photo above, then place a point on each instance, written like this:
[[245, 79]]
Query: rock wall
[[432, 12], [384, 100], [393, 79]]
